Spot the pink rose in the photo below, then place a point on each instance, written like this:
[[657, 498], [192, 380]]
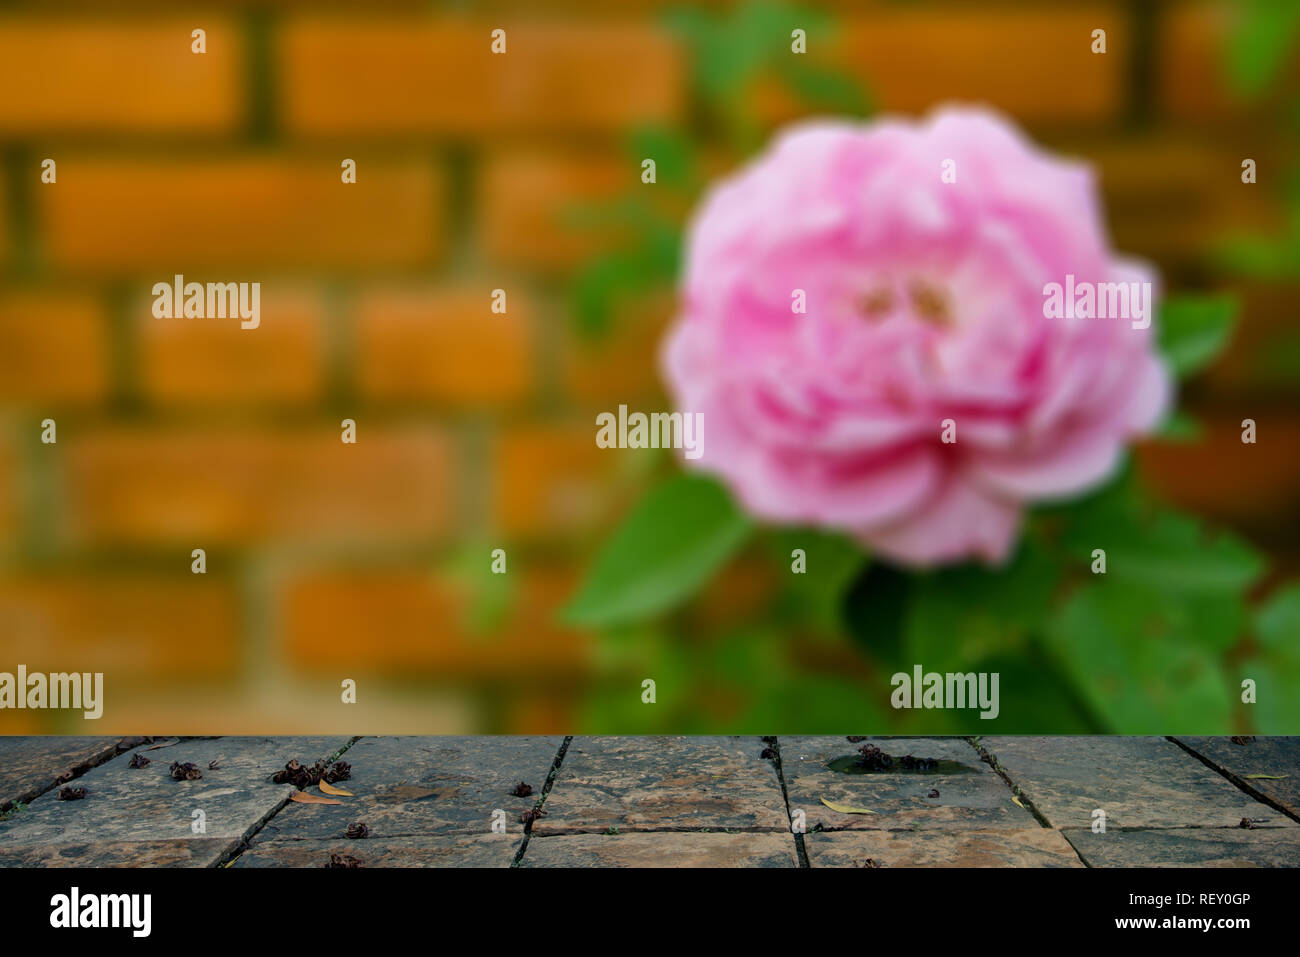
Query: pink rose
[[925, 302]]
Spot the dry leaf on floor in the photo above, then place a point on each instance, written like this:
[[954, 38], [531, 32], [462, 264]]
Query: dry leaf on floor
[[164, 744], [846, 808], [1264, 777], [302, 797], [331, 789]]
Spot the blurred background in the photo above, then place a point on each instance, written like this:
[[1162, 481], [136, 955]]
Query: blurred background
[[520, 172]]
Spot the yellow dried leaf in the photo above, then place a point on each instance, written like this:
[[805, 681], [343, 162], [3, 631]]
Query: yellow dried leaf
[[846, 808], [302, 797], [331, 789], [1264, 777]]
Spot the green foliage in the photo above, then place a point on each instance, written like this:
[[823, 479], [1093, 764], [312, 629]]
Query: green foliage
[[1260, 43], [1159, 643], [1256, 52], [825, 88], [671, 544], [1275, 667], [732, 49], [1194, 329], [972, 612], [816, 597], [1277, 622], [1139, 681]]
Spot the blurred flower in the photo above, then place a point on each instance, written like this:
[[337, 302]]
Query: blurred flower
[[924, 303]]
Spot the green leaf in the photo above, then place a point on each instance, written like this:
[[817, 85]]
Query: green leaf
[[826, 89], [832, 562], [670, 546], [672, 152], [1152, 546], [1261, 257], [1193, 330], [1277, 706], [1277, 622], [1258, 46], [966, 613], [1174, 553], [1134, 681]]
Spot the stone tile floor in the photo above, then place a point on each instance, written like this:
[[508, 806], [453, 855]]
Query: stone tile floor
[[656, 801]]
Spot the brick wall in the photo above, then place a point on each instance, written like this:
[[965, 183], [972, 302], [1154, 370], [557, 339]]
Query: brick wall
[[327, 560]]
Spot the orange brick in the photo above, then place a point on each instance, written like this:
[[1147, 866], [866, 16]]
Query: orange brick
[[53, 347], [623, 364], [413, 619], [404, 76], [1191, 80], [258, 213], [214, 360], [555, 481], [531, 204], [9, 511], [1035, 64], [445, 345], [196, 487], [135, 75], [7, 246], [128, 627], [1221, 476]]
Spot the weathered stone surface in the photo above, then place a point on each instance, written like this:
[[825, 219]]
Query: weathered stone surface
[[196, 852], [971, 795], [1026, 847], [471, 777], [447, 850], [129, 810], [662, 849], [1258, 755], [1138, 782], [646, 783], [30, 765], [1189, 847]]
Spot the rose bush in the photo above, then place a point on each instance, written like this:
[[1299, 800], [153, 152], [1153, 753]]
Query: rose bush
[[850, 299]]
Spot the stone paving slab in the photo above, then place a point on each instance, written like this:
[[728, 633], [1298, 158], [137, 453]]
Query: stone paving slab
[[663, 849], [30, 765], [471, 777], [973, 797], [1189, 847], [664, 783], [130, 812], [1139, 782], [449, 850], [1257, 755], [1024, 847]]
